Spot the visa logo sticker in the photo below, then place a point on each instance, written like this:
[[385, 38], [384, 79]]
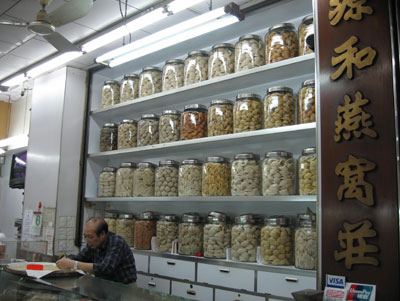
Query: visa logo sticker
[[335, 281]]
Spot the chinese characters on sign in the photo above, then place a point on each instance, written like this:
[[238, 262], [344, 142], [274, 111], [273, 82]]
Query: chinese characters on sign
[[348, 9]]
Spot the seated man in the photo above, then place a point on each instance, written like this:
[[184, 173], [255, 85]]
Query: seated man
[[106, 254]]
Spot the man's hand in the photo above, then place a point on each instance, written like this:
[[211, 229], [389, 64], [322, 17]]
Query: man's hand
[[65, 263]]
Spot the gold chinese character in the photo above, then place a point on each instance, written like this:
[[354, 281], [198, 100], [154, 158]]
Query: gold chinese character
[[354, 8], [351, 56], [354, 246], [354, 186], [352, 119]]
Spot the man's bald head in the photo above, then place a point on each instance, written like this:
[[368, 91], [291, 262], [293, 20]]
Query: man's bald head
[[98, 224]]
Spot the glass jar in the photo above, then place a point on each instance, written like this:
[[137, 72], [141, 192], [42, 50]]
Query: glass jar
[[246, 175], [280, 43], [172, 74], [190, 235], [247, 113], [124, 180], [189, 179], [127, 134], [216, 237], [167, 232], [220, 117], [306, 109], [196, 67], [305, 243], [110, 94], [126, 227], [308, 172], [108, 137], [245, 238], [148, 127], [170, 126], [143, 179], [111, 219], [306, 29], [222, 60], [276, 241], [150, 81], [279, 107], [194, 122], [216, 177], [278, 173], [166, 178], [129, 87], [107, 182], [249, 52], [145, 229]]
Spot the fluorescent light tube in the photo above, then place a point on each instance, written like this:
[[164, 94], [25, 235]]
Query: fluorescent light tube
[[14, 81], [180, 5], [20, 140]]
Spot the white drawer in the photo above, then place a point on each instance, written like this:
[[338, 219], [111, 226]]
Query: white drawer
[[192, 292], [226, 276], [142, 262], [172, 268], [153, 283], [222, 295], [283, 284]]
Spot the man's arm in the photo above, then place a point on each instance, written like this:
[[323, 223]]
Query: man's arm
[[68, 264]]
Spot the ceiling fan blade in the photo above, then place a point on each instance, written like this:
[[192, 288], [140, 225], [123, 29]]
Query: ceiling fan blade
[[61, 43], [69, 12], [13, 23]]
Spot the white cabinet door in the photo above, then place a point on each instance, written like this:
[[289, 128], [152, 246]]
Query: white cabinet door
[[172, 268], [283, 284], [153, 283], [226, 276], [142, 262], [192, 292], [223, 295]]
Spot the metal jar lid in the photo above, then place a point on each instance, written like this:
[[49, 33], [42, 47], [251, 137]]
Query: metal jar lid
[[283, 26], [149, 116], [111, 82], [217, 159], [306, 217], [174, 61], [128, 121], [145, 165], [195, 107], [278, 154], [276, 221], [245, 156], [198, 53], [215, 216], [109, 169], [221, 102], [148, 215], [307, 20], [171, 112], [250, 37], [191, 218], [245, 219], [280, 89], [223, 45], [151, 68], [131, 76], [127, 165], [308, 83], [110, 214], [191, 162], [126, 216], [169, 218], [110, 125], [309, 151], [251, 96], [170, 163]]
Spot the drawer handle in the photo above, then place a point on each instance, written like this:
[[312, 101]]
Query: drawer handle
[[171, 263], [153, 284], [224, 270], [190, 292], [289, 279]]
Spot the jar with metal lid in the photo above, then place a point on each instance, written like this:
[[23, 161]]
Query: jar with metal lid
[[129, 87], [216, 177], [110, 94], [170, 126], [220, 117], [145, 229], [222, 60], [107, 182], [124, 180], [305, 243], [306, 108], [308, 172], [150, 81], [148, 127], [278, 173], [111, 219], [281, 43], [172, 76], [245, 238], [126, 227], [190, 235], [279, 107], [247, 113], [108, 137], [216, 237], [194, 122], [143, 179], [166, 178], [127, 134], [167, 232], [276, 241], [249, 52], [196, 67], [189, 178], [306, 29], [246, 175]]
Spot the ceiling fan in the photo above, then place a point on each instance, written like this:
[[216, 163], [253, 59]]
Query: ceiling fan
[[45, 24]]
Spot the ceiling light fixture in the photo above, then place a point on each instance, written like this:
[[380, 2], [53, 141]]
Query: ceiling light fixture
[[14, 81]]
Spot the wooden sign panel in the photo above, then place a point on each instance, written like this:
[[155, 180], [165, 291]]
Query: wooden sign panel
[[359, 185]]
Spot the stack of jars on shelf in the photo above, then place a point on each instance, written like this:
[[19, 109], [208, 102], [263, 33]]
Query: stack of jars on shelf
[[245, 176], [281, 42], [249, 238]]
